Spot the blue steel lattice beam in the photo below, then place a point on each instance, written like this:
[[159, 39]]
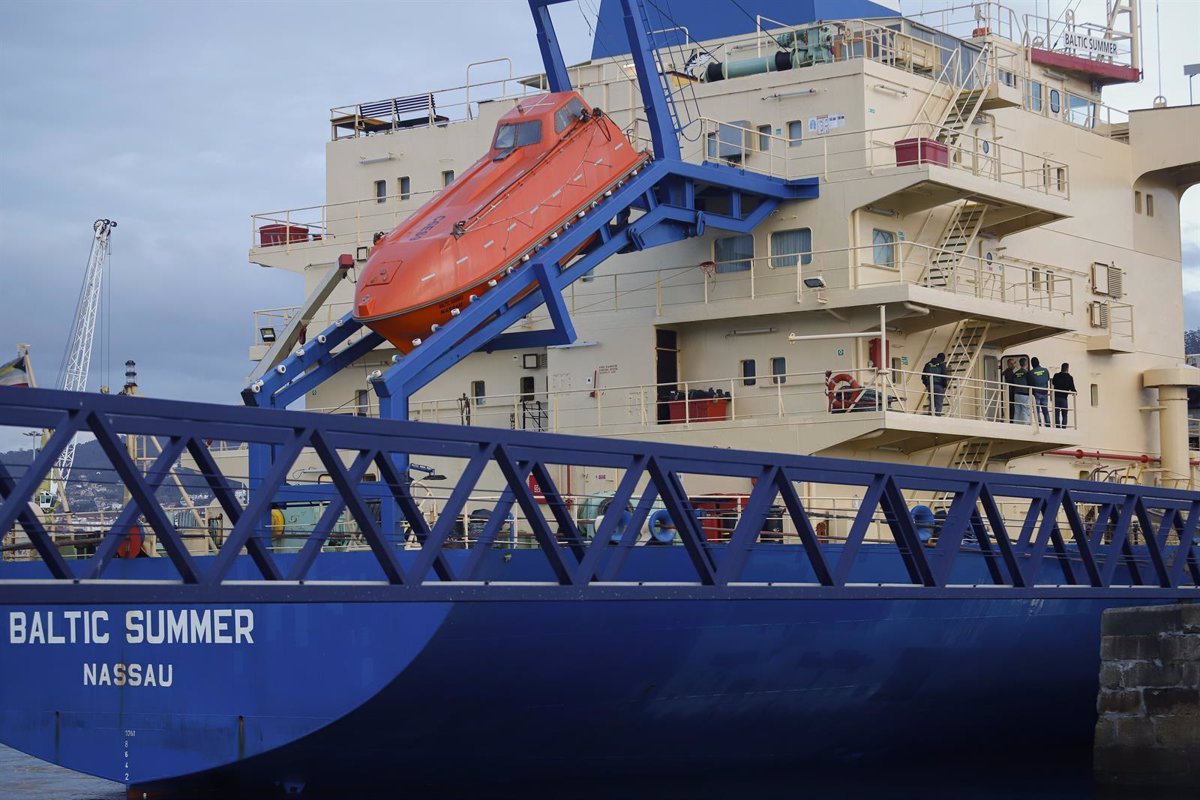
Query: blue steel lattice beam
[[1102, 555]]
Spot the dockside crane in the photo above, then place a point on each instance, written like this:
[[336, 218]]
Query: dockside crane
[[77, 358]]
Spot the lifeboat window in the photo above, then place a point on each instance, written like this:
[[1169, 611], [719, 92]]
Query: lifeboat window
[[570, 112], [518, 134]]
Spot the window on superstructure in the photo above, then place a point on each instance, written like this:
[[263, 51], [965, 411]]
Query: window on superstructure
[[764, 137], [733, 253], [570, 112], [478, 392], [447, 177], [362, 402], [1035, 96], [795, 132], [778, 369], [1095, 395], [749, 370], [1060, 178], [884, 248], [1055, 101], [405, 188], [1149, 205], [792, 247], [518, 134], [1137, 202], [380, 191], [1081, 111], [1007, 78], [527, 388]]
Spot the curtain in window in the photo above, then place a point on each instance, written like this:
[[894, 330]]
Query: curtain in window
[[885, 251], [733, 253], [788, 247]]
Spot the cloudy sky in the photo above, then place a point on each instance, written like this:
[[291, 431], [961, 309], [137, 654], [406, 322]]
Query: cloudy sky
[[181, 119]]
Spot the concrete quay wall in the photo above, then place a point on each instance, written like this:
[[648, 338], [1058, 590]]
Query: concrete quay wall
[[1148, 731]]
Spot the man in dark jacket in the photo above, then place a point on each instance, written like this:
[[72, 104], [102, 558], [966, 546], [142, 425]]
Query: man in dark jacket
[[934, 377], [1064, 387], [1039, 381], [1006, 376]]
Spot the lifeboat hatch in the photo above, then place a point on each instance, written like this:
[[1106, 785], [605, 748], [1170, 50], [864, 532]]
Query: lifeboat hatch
[[382, 274]]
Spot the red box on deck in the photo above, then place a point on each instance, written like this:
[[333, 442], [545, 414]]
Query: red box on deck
[[921, 150], [271, 235]]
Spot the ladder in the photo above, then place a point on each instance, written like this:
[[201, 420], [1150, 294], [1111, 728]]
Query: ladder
[[972, 454], [664, 79], [964, 106], [962, 351], [966, 343], [956, 239]]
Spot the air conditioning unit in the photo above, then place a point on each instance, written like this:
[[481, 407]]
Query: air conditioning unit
[[1098, 314]]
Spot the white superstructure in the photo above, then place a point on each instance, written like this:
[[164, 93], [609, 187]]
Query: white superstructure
[[1032, 221]]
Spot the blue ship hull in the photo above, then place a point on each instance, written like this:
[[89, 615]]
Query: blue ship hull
[[511, 684]]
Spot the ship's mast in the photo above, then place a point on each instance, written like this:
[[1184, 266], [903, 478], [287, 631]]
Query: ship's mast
[[77, 359]]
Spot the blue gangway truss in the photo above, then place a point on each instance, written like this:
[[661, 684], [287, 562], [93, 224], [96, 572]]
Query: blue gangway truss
[[1022, 535]]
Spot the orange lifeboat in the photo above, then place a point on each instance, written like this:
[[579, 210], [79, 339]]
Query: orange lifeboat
[[550, 158]]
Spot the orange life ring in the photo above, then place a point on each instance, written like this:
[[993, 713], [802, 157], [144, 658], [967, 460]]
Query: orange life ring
[[131, 543], [842, 390]]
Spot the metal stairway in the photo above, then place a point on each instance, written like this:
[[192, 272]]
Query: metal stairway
[[972, 454], [969, 454], [956, 239], [962, 352], [964, 106]]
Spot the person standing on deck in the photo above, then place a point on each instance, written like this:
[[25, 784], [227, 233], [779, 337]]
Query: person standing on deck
[[1008, 378], [1039, 382], [1021, 392], [1064, 387], [934, 378]]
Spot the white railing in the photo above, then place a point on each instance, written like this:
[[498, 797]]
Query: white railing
[[274, 320], [975, 19], [350, 225], [854, 155], [1115, 317], [783, 398], [1026, 284]]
